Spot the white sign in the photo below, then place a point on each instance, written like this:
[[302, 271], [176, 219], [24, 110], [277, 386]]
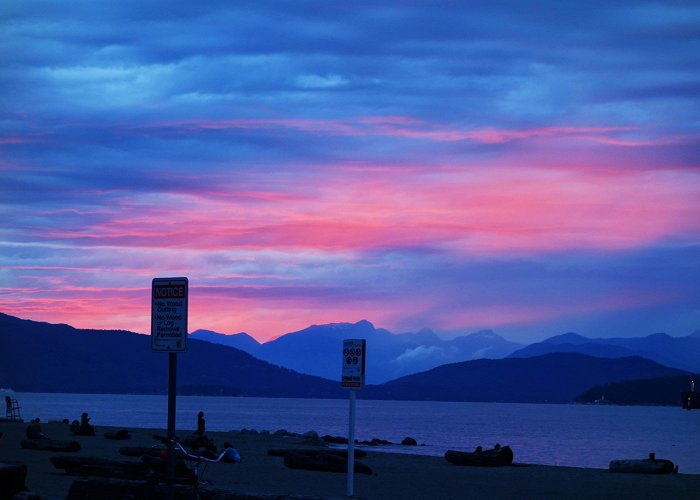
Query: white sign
[[169, 314], [353, 375]]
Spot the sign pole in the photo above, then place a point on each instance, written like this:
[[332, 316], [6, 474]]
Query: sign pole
[[351, 445], [172, 391], [169, 303], [353, 378]]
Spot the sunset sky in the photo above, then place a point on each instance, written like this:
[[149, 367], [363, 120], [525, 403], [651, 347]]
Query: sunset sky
[[531, 168]]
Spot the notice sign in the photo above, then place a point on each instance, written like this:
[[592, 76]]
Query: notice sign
[[353, 376], [169, 314]]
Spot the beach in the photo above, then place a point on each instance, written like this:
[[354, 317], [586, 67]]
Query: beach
[[394, 476]]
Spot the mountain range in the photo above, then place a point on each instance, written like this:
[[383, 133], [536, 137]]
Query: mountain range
[[677, 352], [550, 378], [316, 349], [44, 357]]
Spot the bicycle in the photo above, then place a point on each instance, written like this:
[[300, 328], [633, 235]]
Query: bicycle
[[228, 455]]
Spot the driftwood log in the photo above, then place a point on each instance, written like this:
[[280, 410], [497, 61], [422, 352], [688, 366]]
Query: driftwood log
[[340, 453], [91, 466], [139, 451], [322, 461], [50, 445], [12, 478], [495, 457], [121, 469], [118, 489], [645, 466], [121, 434]]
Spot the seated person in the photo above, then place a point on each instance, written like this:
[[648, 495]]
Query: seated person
[[82, 428], [34, 430]]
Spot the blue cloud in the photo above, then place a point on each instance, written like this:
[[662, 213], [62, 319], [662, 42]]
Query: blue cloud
[[111, 108]]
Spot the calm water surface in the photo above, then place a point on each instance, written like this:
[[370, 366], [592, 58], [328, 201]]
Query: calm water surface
[[573, 435]]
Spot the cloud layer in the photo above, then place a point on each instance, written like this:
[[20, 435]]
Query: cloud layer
[[531, 169]]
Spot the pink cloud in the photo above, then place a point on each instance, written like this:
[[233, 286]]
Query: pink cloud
[[266, 317], [16, 140], [412, 128], [471, 211]]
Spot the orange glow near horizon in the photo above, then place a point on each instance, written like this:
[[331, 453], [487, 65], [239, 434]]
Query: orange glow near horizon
[[274, 261]]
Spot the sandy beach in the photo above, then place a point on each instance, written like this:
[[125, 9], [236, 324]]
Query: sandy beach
[[395, 476]]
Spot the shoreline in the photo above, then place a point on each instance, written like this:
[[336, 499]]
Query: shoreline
[[394, 475]]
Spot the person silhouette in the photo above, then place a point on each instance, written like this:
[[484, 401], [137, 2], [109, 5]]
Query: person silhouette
[[200, 423], [34, 430]]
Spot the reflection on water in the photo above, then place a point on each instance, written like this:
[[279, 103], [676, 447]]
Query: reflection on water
[[573, 435]]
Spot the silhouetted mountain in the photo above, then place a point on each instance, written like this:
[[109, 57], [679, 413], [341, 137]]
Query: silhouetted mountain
[[661, 391], [568, 338], [41, 357], [316, 350], [241, 341], [598, 350], [676, 352], [552, 378]]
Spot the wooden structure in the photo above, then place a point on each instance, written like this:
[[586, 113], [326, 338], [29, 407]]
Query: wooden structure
[[12, 409]]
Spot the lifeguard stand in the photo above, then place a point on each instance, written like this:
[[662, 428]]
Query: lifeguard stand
[[12, 412]]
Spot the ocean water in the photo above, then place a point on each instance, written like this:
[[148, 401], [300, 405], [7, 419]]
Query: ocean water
[[569, 435]]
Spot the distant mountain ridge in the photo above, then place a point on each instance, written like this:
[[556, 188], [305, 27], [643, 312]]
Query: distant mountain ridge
[[241, 340], [551, 378], [677, 352], [660, 391], [41, 357], [316, 350]]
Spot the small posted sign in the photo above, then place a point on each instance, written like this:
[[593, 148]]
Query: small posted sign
[[169, 314], [353, 374]]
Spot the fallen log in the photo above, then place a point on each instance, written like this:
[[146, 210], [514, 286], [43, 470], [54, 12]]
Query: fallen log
[[100, 467], [122, 469], [121, 434], [139, 490], [50, 445], [12, 478], [139, 451], [496, 457], [82, 489], [651, 465], [322, 461], [340, 453]]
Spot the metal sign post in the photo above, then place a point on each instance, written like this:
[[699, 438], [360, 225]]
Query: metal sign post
[[169, 314], [353, 378], [351, 445], [169, 301]]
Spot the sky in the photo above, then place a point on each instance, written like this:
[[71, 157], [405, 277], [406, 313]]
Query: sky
[[527, 167]]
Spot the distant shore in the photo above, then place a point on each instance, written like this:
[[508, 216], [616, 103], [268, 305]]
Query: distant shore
[[395, 476]]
